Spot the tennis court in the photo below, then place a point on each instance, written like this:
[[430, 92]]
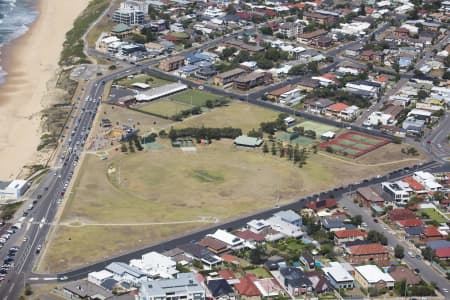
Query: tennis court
[[319, 128], [354, 144], [300, 140]]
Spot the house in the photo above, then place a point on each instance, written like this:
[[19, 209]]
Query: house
[[185, 286], [398, 190], [291, 97], [321, 204], [257, 226], [120, 31], [99, 277], [349, 235], [275, 95], [248, 141], [273, 262], [240, 45], [171, 63], [197, 252], [227, 238], [335, 109], [427, 180], [370, 276], [333, 224], [308, 84], [320, 283], [443, 253], [269, 287], [220, 289], [320, 18], [368, 197], [311, 36], [155, 265], [250, 236], [290, 217], [178, 256], [252, 80], [413, 232], [83, 289], [438, 244], [368, 253], [400, 273], [225, 78], [413, 126], [431, 233], [247, 288], [124, 272], [350, 113], [294, 281], [414, 222], [319, 106], [399, 214], [338, 276], [308, 261], [227, 275], [283, 229], [213, 245]]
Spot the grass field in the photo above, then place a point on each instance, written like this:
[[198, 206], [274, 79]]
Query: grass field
[[132, 200], [194, 97], [300, 140], [237, 114], [142, 78], [433, 214], [164, 107], [260, 273]]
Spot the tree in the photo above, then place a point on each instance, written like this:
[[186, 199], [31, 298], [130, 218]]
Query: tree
[[256, 255], [376, 237], [297, 70], [264, 63], [227, 52], [28, 290], [231, 9], [421, 94], [399, 251], [123, 147], [356, 220], [313, 66], [362, 10], [265, 148], [274, 149], [428, 253], [267, 30]]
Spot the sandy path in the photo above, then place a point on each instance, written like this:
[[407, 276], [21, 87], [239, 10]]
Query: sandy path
[[32, 61]]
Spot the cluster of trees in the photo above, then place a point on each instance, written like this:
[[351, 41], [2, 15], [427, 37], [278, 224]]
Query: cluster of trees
[[216, 102], [272, 127], [376, 237], [302, 69], [401, 288], [308, 133], [196, 110], [205, 133], [340, 96], [292, 153], [410, 151], [133, 144]]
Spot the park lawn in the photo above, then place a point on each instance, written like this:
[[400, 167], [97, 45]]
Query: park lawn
[[259, 272], [433, 214], [194, 97], [104, 25], [164, 107], [237, 114], [141, 198], [142, 78]]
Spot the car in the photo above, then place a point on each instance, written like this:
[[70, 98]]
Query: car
[[25, 238], [445, 290], [39, 196], [417, 270], [375, 220], [411, 254], [63, 278], [344, 207], [38, 248]]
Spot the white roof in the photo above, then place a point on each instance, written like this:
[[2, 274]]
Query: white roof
[[101, 275], [257, 224], [420, 112], [17, 184], [337, 272], [424, 175], [141, 85], [226, 237], [329, 134], [373, 274]]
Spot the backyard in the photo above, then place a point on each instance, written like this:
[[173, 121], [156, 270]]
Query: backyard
[[434, 215]]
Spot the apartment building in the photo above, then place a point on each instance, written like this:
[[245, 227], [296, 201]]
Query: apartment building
[[228, 77], [172, 63], [252, 80], [185, 286]]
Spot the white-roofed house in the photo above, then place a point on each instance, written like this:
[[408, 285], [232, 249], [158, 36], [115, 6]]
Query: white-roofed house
[[285, 228], [289, 216], [100, 276], [370, 276], [155, 265], [338, 276], [257, 226], [231, 240]]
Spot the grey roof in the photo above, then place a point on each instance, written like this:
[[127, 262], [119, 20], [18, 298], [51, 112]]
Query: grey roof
[[438, 244], [121, 269], [356, 243], [413, 231], [323, 103], [109, 284], [173, 252], [332, 224], [288, 215], [4, 184], [248, 141], [219, 287], [184, 283], [86, 289], [295, 277], [308, 257]]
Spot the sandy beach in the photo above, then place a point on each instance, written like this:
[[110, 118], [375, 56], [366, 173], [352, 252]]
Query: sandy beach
[[31, 62]]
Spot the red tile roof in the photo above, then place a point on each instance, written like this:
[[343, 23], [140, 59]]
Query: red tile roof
[[414, 184], [226, 274], [410, 222], [443, 252], [337, 107], [401, 214], [321, 204], [342, 234], [367, 249], [249, 236], [431, 231], [213, 244], [367, 53], [282, 90], [330, 76], [246, 286], [230, 258]]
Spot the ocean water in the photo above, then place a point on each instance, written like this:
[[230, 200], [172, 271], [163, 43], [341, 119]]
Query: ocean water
[[15, 19]]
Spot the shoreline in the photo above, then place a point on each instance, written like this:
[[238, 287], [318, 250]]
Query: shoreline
[[31, 62]]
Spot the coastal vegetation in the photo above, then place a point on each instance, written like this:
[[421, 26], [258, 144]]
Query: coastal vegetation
[[73, 46]]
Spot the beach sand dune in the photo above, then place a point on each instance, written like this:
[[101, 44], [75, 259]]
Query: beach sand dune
[[31, 62]]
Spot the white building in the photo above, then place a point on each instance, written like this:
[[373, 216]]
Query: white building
[[186, 286], [257, 226], [376, 118], [13, 190], [338, 276], [285, 228], [231, 240], [427, 180], [349, 113], [129, 15], [155, 265], [370, 276], [399, 190], [98, 277], [354, 28], [291, 97]]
